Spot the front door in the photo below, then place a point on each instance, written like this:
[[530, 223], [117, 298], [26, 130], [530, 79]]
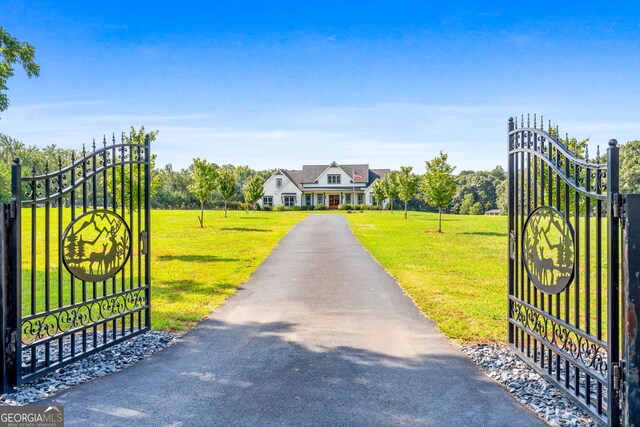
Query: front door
[[334, 201]]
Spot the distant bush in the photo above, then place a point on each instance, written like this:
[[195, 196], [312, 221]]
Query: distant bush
[[321, 207], [345, 207], [307, 208], [279, 208], [295, 208], [267, 208]]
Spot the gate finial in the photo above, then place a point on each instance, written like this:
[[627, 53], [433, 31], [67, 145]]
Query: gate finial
[[613, 142], [535, 120], [528, 120]]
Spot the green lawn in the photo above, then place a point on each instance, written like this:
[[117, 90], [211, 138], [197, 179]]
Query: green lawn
[[193, 269], [457, 278]]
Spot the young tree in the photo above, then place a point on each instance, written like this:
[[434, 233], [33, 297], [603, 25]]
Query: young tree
[[438, 184], [253, 190], [407, 184], [226, 185], [391, 187], [467, 202], [379, 192], [12, 51], [123, 181], [203, 184]]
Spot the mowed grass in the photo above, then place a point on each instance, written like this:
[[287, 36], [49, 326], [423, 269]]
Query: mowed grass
[[193, 269], [457, 278]]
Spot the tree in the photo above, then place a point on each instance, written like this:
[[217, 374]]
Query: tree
[[467, 203], [13, 51], [438, 184], [203, 184], [502, 192], [136, 137], [476, 209], [391, 187], [630, 167], [253, 189], [379, 192], [408, 185], [226, 185]]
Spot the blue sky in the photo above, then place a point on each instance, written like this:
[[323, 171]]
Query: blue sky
[[279, 84]]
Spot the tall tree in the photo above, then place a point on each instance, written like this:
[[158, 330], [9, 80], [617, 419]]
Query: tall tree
[[407, 184], [253, 190], [379, 192], [14, 51], [630, 167], [391, 187], [226, 185], [438, 184], [203, 184]]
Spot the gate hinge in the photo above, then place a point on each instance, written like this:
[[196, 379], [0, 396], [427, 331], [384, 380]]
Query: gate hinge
[[618, 204], [11, 212], [12, 338], [617, 375]]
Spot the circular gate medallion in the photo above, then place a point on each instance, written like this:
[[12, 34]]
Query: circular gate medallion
[[96, 245], [548, 250]]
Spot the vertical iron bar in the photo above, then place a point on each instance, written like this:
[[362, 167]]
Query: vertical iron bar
[[47, 252], [613, 279], [511, 225], [72, 278], [147, 227], [139, 194]]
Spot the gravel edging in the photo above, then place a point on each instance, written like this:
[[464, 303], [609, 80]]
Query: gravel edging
[[501, 364], [98, 365]]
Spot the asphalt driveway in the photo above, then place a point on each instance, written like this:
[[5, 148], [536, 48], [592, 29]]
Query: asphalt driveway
[[321, 335]]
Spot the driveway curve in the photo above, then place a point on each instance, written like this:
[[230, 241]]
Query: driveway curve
[[321, 335]]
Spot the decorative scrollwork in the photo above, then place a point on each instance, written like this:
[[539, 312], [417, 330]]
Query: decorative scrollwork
[[57, 323], [564, 340]]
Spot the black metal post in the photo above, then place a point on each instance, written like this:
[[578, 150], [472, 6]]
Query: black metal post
[[511, 242], [147, 226], [631, 289], [4, 285], [613, 273], [14, 290]]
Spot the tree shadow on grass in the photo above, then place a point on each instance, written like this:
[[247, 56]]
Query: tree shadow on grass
[[196, 258], [258, 373], [260, 230], [179, 290]]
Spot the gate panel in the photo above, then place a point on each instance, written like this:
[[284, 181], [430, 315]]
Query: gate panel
[[562, 275], [85, 278]]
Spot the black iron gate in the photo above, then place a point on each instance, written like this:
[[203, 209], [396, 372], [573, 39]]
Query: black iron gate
[[76, 263], [565, 297]]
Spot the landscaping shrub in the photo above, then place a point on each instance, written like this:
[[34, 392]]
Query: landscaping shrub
[[345, 207], [267, 208], [321, 207], [307, 208], [279, 208], [295, 208]]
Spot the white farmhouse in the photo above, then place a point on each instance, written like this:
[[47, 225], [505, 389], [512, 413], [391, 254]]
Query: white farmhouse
[[330, 185]]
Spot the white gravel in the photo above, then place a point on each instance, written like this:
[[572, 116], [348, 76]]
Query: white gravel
[[527, 386], [98, 365]]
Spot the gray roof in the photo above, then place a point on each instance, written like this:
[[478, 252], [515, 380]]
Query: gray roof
[[310, 173]]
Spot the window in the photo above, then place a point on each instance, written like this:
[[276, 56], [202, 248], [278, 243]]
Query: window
[[347, 198], [360, 198], [267, 201], [307, 199], [319, 199], [333, 179], [289, 200], [278, 182], [371, 200]]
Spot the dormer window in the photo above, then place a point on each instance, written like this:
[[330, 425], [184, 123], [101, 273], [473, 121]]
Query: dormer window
[[333, 179], [278, 182]]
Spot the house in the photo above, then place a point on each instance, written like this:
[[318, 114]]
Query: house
[[330, 185]]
